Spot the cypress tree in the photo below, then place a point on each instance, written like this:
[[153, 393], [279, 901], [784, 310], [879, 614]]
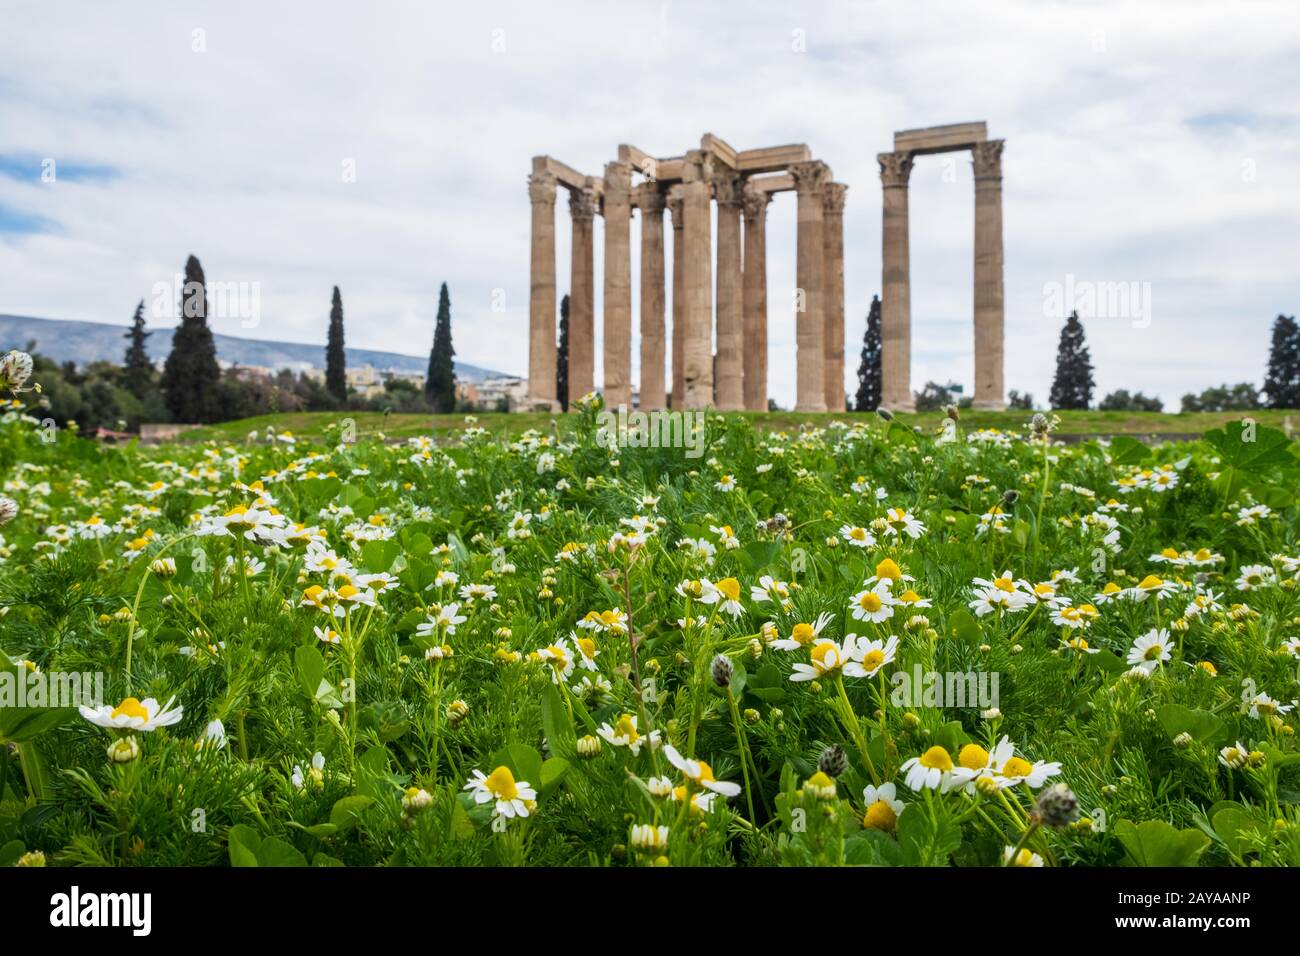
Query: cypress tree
[[138, 371], [191, 377], [440, 384], [336, 378], [1073, 384], [868, 397], [1282, 381], [562, 358]]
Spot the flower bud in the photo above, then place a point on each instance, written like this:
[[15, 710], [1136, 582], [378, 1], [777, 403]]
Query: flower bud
[[124, 749]]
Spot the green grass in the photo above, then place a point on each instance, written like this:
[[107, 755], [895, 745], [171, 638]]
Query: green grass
[[313, 424]]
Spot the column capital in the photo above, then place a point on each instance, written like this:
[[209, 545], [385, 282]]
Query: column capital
[[675, 204], [895, 168], [582, 204], [810, 177], [755, 203], [649, 198], [697, 167], [987, 159], [833, 199], [541, 188], [728, 187], [618, 183]]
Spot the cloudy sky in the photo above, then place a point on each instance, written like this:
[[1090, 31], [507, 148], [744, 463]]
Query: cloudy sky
[[1151, 144]]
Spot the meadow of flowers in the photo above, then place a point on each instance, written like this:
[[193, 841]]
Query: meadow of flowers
[[551, 650]]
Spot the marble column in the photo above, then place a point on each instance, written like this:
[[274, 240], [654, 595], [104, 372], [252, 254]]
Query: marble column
[[989, 388], [754, 277], [542, 353], [675, 204], [650, 200], [896, 300], [582, 294], [617, 301], [697, 280], [730, 390], [833, 264], [810, 180]]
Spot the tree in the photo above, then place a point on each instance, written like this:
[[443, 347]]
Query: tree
[[1073, 384], [336, 376], [1017, 401], [1121, 401], [933, 397], [440, 383], [868, 397], [562, 358], [1241, 397], [1282, 381], [138, 371], [191, 375]]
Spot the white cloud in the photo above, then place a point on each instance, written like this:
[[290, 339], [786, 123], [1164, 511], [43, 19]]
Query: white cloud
[[1131, 131]]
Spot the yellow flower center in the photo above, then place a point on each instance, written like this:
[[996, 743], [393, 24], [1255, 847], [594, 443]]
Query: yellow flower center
[[909, 597], [973, 757], [936, 758], [501, 784], [858, 534], [802, 633], [706, 772], [1203, 554], [130, 708], [873, 659], [871, 602], [730, 589], [1150, 582], [587, 646], [1024, 858], [1169, 553], [1015, 767], [827, 655], [1004, 584], [1111, 588], [888, 568], [879, 816], [1153, 652], [626, 727]]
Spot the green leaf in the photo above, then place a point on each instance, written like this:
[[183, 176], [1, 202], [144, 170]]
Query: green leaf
[[346, 813], [379, 556], [243, 843], [758, 555], [873, 848], [557, 723], [553, 771], [1238, 830], [11, 852], [1128, 451], [1250, 448], [1156, 843], [322, 859], [963, 626], [310, 666], [1204, 726], [276, 852]]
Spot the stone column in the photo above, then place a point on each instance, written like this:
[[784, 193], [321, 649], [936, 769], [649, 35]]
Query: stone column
[[730, 390], [697, 280], [810, 324], [541, 290], [582, 294], [650, 199], [755, 283], [989, 388], [679, 298], [833, 339], [896, 294], [618, 285]]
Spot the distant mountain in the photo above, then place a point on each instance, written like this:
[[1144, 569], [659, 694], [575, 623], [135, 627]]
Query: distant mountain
[[68, 340]]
